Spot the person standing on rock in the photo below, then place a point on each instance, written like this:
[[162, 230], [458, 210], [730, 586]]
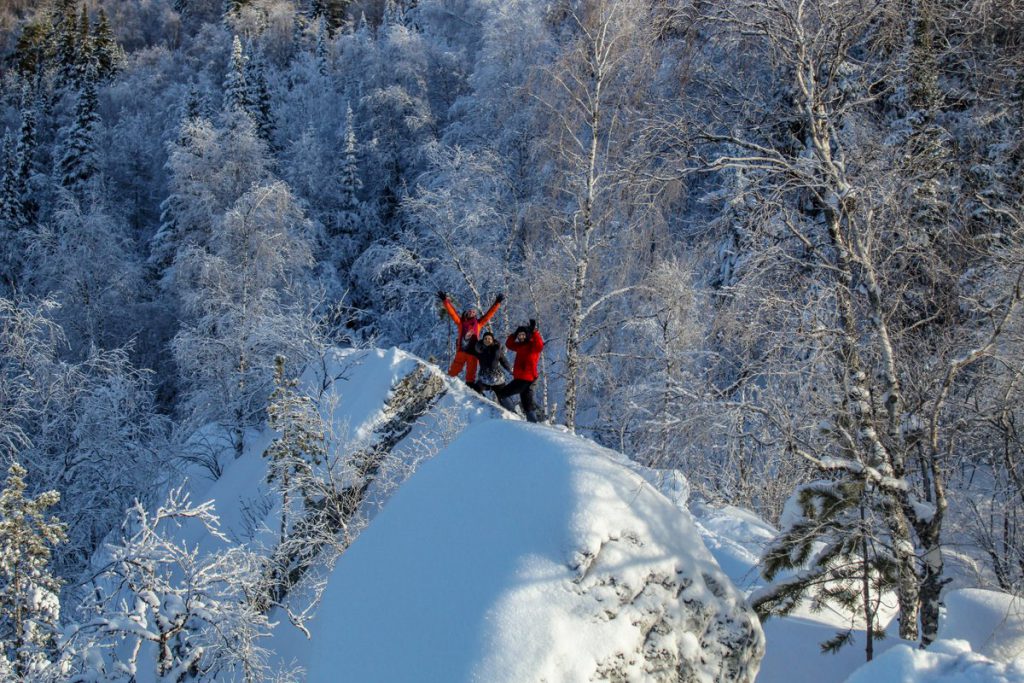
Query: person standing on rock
[[469, 326], [527, 343]]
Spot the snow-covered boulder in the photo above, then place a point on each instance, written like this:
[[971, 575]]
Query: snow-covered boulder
[[521, 553]]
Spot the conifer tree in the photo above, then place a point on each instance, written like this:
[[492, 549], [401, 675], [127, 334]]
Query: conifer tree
[[10, 201], [321, 46], [106, 51], [79, 163], [83, 42], [63, 38], [331, 11], [29, 606], [833, 550], [236, 91], [258, 94], [26, 147], [11, 219], [349, 220]]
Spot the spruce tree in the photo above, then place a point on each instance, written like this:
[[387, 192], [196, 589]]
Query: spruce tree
[[349, 220], [10, 201], [79, 163], [236, 92], [83, 42], [11, 218], [29, 606], [106, 51], [258, 95], [64, 36], [30, 51], [26, 149], [321, 46]]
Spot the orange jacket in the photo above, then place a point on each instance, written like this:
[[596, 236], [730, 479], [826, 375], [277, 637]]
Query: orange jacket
[[469, 329]]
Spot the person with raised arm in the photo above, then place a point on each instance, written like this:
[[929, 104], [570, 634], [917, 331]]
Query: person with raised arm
[[527, 343], [469, 326]]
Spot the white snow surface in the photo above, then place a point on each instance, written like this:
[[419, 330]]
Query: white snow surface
[[946, 661], [981, 640], [514, 552], [521, 553]]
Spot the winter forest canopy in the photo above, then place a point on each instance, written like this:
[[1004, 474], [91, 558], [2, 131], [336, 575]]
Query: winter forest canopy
[[777, 245]]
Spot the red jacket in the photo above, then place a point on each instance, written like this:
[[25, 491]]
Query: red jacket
[[527, 356], [469, 329]]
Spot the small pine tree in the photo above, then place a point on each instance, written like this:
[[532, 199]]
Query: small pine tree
[[79, 164], [29, 606], [833, 549]]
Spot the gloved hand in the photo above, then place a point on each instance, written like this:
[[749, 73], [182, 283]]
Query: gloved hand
[[442, 295], [498, 299], [532, 327]]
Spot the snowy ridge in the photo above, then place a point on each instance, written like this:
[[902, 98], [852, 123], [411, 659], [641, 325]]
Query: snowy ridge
[[516, 553], [524, 554]]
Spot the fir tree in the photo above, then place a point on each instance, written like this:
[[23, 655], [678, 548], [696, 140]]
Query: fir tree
[[31, 48], [236, 91], [349, 219], [12, 217], [26, 141], [64, 36], [331, 11], [106, 51], [79, 163], [83, 42], [10, 200], [321, 46], [29, 606], [393, 13], [258, 95]]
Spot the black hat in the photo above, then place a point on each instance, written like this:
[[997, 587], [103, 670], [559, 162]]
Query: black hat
[[522, 328], [487, 333]]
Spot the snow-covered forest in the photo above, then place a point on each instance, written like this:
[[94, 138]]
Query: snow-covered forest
[[776, 245]]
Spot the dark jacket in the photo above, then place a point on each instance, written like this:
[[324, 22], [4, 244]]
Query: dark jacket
[[492, 359]]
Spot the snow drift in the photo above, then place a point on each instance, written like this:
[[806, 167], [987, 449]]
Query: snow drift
[[981, 640]]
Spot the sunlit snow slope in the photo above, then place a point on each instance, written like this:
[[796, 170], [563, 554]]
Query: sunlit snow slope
[[496, 550], [521, 553]]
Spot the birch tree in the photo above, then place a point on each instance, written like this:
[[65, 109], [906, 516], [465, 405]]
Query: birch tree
[[595, 92], [839, 213]]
